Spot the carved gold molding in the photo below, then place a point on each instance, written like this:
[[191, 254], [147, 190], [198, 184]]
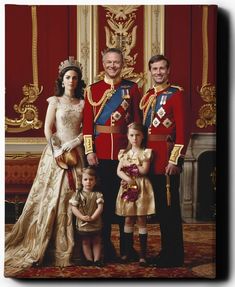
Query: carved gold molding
[[87, 41], [207, 112], [120, 31], [27, 155], [25, 140], [24, 145], [28, 112], [153, 36]]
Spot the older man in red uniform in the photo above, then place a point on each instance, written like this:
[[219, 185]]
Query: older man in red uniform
[[110, 105], [164, 117]]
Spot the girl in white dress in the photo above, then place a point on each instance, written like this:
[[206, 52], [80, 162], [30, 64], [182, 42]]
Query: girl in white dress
[[44, 231], [135, 199]]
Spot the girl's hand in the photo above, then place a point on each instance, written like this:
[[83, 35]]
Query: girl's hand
[[131, 181], [124, 184], [86, 218]]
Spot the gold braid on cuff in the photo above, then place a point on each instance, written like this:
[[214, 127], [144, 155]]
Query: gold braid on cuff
[[88, 143], [176, 153]]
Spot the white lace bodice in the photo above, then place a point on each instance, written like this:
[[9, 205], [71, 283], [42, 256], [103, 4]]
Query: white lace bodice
[[68, 119]]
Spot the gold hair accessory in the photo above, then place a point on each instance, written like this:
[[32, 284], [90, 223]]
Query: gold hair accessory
[[71, 62]]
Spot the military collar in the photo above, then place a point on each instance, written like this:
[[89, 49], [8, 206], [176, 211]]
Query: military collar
[[112, 82], [161, 87]]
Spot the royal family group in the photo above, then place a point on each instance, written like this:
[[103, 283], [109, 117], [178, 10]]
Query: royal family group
[[114, 156]]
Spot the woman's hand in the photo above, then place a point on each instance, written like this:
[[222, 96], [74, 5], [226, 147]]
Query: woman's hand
[[60, 157], [71, 144]]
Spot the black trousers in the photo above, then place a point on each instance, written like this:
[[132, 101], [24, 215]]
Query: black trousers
[[170, 221], [110, 183]]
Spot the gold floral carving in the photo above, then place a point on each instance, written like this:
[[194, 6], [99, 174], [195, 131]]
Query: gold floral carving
[[207, 113], [28, 112], [208, 93], [121, 33]]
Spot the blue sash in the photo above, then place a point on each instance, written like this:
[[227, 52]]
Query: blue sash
[[170, 92], [114, 102]]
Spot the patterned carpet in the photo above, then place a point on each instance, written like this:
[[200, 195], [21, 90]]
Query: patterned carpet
[[199, 242]]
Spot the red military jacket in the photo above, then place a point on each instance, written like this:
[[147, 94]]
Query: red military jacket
[[109, 108], [164, 116]]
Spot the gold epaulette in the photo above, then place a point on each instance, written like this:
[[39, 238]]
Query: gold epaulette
[[177, 87]]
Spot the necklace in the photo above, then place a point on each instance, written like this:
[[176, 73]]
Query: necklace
[[70, 98]]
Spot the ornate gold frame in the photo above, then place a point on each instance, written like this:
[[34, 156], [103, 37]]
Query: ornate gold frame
[[28, 112], [87, 38]]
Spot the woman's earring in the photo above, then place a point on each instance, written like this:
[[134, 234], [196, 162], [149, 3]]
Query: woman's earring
[[62, 85]]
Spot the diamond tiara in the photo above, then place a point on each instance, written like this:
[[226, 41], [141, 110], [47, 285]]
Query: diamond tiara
[[71, 62]]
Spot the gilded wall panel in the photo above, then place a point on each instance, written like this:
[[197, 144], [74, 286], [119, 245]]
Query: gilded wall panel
[[121, 30]]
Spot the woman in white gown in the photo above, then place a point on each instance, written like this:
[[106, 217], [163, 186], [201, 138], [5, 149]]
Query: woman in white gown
[[44, 231]]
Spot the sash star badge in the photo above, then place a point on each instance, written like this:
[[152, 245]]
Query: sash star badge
[[125, 105], [167, 123], [116, 116], [161, 112], [156, 122]]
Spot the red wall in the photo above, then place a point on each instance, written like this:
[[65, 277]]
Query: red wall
[[56, 41], [183, 46]]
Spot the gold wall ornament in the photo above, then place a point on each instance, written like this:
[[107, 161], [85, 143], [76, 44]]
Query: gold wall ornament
[[207, 113], [28, 112], [208, 93], [121, 33], [88, 52]]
